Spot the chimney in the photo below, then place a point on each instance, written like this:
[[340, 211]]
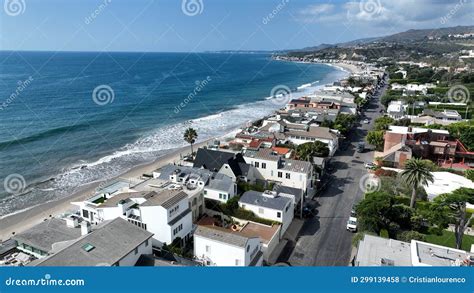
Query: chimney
[[85, 228], [72, 222]]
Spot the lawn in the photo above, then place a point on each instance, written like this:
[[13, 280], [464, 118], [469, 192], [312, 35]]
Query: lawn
[[448, 239]]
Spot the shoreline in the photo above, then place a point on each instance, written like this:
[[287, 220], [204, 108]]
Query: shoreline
[[24, 219]]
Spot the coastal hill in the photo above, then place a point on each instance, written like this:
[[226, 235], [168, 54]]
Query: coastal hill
[[439, 47]]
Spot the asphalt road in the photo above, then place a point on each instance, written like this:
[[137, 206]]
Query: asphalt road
[[323, 240]]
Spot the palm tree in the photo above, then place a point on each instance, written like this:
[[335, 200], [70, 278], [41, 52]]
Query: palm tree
[[417, 173], [190, 136]]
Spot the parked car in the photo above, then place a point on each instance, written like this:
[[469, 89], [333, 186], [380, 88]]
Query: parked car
[[352, 224], [360, 147], [353, 212], [370, 165], [366, 121]]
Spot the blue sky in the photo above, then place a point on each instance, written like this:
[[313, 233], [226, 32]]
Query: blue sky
[[165, 26]]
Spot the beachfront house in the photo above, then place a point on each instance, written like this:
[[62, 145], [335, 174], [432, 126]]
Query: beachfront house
[[114, 243], [270, 205], [166, 213], [299, 133], [227, 163], [220, 188], [270, 166], [217, 246], [44, 238]]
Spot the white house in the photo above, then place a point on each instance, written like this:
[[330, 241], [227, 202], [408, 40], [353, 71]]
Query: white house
[[168, 216], [313, 133], [396, 109], [446, 182], [220, 188], [166, 213], [216, 246], [270, 205], [291, 173], [113, 243]]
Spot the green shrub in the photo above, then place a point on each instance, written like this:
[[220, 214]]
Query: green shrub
[[407, 236], [384, 233], [435, 230]]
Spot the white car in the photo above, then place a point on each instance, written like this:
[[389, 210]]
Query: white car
[[366, 121], [352, 224], [369, 165]]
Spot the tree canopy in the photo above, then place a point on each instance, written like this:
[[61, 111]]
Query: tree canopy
[[307, 151]]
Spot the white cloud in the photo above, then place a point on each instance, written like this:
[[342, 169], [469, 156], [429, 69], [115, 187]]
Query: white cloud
[[400, 14]]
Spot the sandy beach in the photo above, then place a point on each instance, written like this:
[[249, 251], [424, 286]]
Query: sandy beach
[[26, 219]]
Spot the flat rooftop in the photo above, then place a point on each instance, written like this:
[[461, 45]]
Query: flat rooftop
[[378, 251], [102, 247], [44, 235], [435, 255], [266, 233]]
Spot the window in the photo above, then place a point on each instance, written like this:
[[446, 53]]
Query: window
[[146, 242], [205, 191], [257, 164], [280, 174], [85, 213], [264, 165], [248, 248], [237, 262], [208, 249], [278, 214], [287, 175], [136, 250], [260, 210], [88, 247]]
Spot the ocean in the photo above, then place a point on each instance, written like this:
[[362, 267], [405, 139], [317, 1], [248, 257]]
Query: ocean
[[70, 118]]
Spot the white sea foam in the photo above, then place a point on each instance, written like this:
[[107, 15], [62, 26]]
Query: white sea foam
[[152, 145]]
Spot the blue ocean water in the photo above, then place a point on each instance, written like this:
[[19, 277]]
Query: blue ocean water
[[67, 119]]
